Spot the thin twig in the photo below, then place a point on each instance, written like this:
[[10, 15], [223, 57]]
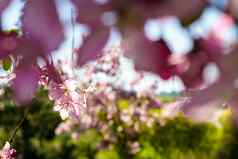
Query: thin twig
[[73, 27], [73, 40], [18, 125]]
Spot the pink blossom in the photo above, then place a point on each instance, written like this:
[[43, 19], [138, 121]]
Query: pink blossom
[[68, 102], [7, 152]]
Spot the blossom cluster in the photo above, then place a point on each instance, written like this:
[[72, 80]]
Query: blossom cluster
[[111, 114], [7, 152], [86, 103], [38, 39], [71, 95], [115, 111]]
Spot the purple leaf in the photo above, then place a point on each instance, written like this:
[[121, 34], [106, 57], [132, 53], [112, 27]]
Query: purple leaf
[[149, 55], [4, 4], [233, 8], [29, 49], [217, 92], [186, 11], [221, 90], [89, 12], [93, 45], [8, 43], [25, 84], [191, 69], [196, 62], [41, 22]]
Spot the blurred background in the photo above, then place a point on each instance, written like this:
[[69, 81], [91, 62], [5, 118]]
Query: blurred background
[[125, 120]]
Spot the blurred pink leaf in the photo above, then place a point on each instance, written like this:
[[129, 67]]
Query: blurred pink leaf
[[92, 46], [218, 91], [233, 8], [192, 76], [186, 10], [222, 90], [204, 51], [89, 12], [29, 49], [41, 23], [25, 84], [212, 46], [149, 55], [8, 43], [4, 4]]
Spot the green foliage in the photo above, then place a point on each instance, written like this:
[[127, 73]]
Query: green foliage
[[123, 104], [107, 154], [177, 138], [181, 137], [7, 63]]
